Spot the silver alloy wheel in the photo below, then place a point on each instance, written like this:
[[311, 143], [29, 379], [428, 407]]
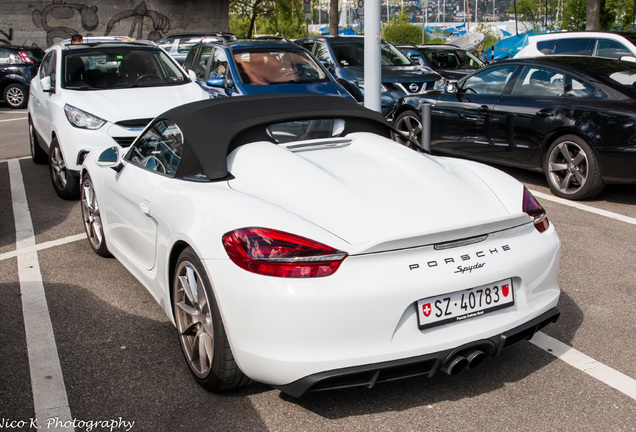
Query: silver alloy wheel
[[408, 124], [194, 319], [92, 217], [15, 96], [568, 167], [59, 167]]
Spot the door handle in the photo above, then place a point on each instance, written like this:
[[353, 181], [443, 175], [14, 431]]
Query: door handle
[[145, 207], [483, 109], [546, 113]]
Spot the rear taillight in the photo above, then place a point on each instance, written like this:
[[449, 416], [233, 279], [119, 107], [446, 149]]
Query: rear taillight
[[25, 57], [271, 252], [532, 207]]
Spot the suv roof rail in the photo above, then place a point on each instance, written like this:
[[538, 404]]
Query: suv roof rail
[[91, 44], [283, 38]]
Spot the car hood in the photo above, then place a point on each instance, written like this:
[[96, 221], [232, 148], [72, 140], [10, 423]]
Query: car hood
[[329, 88], [400, 73], [377, 195], [116, 105]]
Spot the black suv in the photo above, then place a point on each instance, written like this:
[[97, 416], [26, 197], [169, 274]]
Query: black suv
[[344, 58], [449, 61], [18, 66]]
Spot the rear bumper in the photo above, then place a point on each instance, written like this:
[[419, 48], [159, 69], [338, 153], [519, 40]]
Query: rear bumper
[[429, 364]]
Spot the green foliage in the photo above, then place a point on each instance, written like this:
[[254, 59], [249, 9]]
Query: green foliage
[[287, 19], [400, 32], [574, 15], [240, 26]]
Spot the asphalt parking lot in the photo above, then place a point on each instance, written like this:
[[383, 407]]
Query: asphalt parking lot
[[117, 364]]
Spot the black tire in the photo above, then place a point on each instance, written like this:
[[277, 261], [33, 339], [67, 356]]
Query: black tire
[[572, 169], [92, 218], [65, 182], [16, 96], [201, 331], [409, 124], [38, 155]]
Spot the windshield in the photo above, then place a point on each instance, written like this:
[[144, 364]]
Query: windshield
[[452, 59], [351, 53], [120, 67], [277, 67]]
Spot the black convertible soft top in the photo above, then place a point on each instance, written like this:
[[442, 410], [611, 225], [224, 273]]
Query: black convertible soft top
[[213, 128]]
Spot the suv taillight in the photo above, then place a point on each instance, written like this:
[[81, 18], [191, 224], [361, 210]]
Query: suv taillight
[[25, 57], [532, 207], [271, 252]]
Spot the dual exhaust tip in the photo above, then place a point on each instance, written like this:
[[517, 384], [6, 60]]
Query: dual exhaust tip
[[460, 362]]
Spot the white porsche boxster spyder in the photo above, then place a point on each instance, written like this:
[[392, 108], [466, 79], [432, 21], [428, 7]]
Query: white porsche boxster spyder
[[293, 243]]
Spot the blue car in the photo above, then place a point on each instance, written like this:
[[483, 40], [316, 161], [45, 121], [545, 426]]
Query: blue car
[[258, 66]]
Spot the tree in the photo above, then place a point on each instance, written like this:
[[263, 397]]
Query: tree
[[574, 15], [279, 17], [593, 14], [248, 10], [333, 17]]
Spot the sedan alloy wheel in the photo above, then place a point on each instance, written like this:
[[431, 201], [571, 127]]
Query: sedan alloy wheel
[[572, 169], [410, 125]]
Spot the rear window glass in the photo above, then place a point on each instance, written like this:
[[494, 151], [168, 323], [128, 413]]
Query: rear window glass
[[306, 130], [577, 46]]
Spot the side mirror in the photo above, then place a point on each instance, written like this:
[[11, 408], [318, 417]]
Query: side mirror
[[628, 59], [46, 84], [110, 158], [215, 82], [417, 60], [451, 87], [328, 65], [192, 75]]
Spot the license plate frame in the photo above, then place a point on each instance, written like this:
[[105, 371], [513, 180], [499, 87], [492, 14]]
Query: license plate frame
[[464, 304]]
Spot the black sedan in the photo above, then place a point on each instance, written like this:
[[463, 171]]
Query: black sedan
[[574, 118]]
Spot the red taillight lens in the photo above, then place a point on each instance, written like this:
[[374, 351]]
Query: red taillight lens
[[25, 57], [276, 253], [532, 207]]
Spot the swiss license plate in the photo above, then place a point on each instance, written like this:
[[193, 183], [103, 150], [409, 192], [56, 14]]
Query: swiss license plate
[[466, 304]]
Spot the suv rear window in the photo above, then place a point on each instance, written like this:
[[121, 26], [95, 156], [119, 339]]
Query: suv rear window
[[576, 46]]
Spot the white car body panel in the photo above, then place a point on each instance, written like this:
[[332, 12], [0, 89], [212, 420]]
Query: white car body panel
[[531, 50], [383, 204]]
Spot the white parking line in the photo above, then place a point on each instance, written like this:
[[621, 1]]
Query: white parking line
[[8, 120], [42, 246], [47, 383], [587, 208], [584, 363]]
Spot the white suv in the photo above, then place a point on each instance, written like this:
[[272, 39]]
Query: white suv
[[598, 44], [95, 95]]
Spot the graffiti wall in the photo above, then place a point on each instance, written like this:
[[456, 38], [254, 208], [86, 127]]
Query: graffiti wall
[[43, 23]]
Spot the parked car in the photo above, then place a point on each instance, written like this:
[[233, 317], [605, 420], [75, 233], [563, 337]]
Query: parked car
[[344, 58], [258, 66], [449, 61], [96, 94], [18, 65], [290, 250], [586, 43], [179, 45], [571, 117]]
